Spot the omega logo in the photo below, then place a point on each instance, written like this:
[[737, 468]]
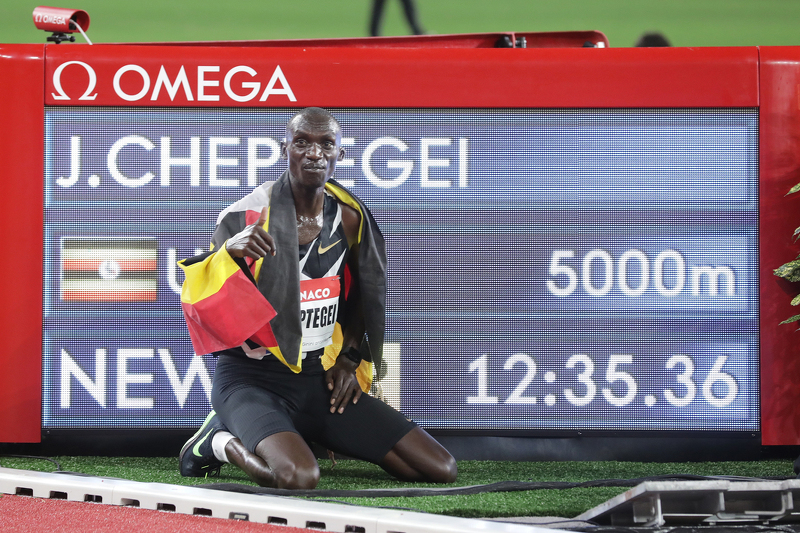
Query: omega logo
[[57, 82], [235, 84]]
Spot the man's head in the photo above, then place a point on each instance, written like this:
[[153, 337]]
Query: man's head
[[652, 39], [312, 146]]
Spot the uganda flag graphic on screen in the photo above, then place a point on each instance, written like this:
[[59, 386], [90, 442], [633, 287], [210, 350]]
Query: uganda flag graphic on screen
[[108, 269]]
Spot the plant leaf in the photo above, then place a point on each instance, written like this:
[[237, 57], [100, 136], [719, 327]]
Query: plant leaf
[[796, 234], [793, 189], [795, 318], [790, 270], [796, 300]]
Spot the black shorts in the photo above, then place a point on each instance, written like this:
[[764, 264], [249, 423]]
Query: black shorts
[[256, 399]]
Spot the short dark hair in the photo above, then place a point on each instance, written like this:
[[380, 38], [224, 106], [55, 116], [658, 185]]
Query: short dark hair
[[314, 114]]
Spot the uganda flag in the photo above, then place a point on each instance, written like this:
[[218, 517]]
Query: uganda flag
[[222, 305], [109, 269]]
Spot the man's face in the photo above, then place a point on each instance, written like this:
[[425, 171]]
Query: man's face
[[312, 149]]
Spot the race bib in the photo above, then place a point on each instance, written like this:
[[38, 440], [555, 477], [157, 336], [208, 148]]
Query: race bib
[[319, 306]]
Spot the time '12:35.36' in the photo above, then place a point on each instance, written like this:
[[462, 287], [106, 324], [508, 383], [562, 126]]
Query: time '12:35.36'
[[617, 385]]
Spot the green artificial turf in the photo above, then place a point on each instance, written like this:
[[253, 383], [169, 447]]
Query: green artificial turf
[[685, 22], [354, 475]]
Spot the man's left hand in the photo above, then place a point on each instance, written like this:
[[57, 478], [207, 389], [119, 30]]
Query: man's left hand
[[341, 378]]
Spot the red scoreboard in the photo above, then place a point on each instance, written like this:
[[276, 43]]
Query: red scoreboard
[[581, 238]]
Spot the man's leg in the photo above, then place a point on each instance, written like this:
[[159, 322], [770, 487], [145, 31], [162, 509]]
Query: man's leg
[[418, 457], [373, 431], [282, 461], [411, 16], [251, 399], [375, 18]]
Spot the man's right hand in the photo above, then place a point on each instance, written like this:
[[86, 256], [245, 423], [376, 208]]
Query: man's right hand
[[253, 241]]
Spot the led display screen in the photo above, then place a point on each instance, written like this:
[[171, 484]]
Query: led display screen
[[548, 268]]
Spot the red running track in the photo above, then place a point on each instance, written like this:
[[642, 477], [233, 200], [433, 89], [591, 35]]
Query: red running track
[[28, 514]]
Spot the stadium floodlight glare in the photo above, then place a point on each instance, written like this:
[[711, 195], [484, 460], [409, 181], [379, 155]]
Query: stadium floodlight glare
[[61, 21]]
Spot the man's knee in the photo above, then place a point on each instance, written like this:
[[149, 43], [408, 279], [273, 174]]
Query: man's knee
[[445, 471], [296, 477], [289, 462]]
